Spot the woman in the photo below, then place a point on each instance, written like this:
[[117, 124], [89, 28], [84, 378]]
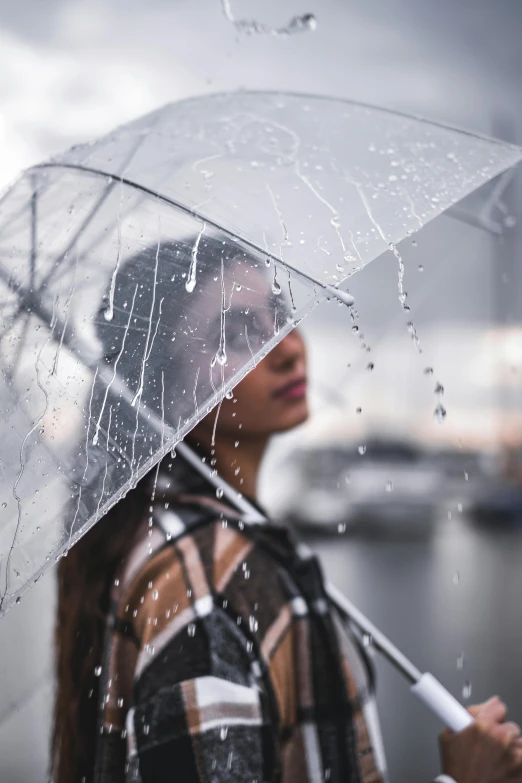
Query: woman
[[193, 645]]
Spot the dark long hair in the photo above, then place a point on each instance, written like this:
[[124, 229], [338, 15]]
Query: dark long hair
[[86, 573]]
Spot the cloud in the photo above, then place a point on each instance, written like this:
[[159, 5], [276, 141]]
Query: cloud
[[52, 98]]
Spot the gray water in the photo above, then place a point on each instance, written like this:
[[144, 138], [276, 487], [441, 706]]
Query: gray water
[[457, 592]]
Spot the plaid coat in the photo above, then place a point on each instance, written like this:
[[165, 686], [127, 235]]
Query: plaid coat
[[224, 659]]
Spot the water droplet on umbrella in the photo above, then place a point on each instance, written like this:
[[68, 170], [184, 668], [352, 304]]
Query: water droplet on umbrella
[[428, 371], [223, 733], [219, 492], [370, 366]]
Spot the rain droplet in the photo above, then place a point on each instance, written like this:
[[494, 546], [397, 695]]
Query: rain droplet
[[97, 671], [155, 595], [341, 527], [223, 733], [456, 578], [466, 690], [421, 268], [428, 371], [439, 388], [389, 486], [191, 629], [460, 661], [252, 623], [439, 413], [219, 492], [370, 366], [362, 450], [120, 702]]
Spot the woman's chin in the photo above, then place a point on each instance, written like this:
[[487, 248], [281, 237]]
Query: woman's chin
[[293, 417]]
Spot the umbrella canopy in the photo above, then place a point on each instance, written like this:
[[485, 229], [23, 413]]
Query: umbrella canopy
[[142, 275]]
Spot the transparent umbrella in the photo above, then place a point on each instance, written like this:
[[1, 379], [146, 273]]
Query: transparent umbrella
[[142, 275]]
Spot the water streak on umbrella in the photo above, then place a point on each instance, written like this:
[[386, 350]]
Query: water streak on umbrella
[[191, 280]]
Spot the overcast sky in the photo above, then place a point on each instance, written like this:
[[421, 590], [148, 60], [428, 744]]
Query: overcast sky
[[72, 69]]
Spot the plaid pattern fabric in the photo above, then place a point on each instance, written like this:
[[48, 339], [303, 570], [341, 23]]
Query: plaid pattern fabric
[[224, 659]]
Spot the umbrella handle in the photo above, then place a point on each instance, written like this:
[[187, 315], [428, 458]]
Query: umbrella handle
[[441, 703]]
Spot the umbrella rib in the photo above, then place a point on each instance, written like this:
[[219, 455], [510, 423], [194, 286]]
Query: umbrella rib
[[332, 291]]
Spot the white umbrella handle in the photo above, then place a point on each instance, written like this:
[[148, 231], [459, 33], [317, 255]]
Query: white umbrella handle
[[439, 701]]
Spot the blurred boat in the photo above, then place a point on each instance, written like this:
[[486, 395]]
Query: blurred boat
[[385, 487]]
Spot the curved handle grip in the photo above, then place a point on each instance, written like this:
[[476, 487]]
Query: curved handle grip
[[441, 703]]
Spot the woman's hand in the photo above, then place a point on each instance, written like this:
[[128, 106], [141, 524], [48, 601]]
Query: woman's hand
[[488, 751]]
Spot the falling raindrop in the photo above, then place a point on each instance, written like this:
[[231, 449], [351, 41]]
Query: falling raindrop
[[97, 671], [466, 690], [191, 629], [439, 389], [460, 661], [456, 578], [428, 371], [155, 595], [389, 486], [219, 492], [223, 733], [439, 413], [362, 450], [341, 527], [370, 366]]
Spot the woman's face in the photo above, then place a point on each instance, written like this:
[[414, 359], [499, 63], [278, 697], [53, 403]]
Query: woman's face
[[272, 398]]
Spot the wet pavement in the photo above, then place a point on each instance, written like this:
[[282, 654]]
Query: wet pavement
[[452, 602]]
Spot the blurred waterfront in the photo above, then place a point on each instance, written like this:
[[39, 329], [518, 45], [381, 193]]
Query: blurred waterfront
[[452, 603]]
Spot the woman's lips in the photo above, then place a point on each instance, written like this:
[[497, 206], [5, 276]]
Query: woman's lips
[[295, 390]]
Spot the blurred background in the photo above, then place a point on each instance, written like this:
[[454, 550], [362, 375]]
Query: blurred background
[[408, 478]]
